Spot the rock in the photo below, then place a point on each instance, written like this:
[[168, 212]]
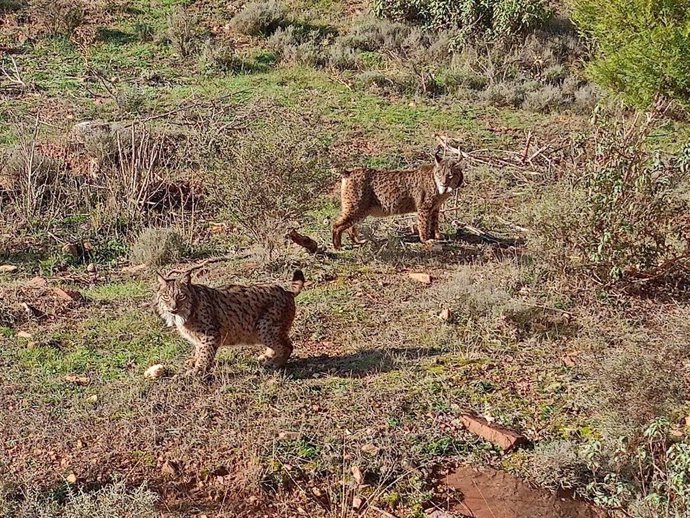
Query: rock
[[357, 474], [502, 437], [67, 295], [24, 334], [92, 399], [357, 502], [170, 469], [71, 478], [8, 268], [289, 436], [438, 513], [135, 269], [424, 278], [33, 313], [91, 268], [77, 380], [156, 371], [36, 283], [370, 449], [32, 345], [446, 315]]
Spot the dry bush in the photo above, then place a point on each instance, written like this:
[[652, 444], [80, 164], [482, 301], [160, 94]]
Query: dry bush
[[220, 56], [558, 465], [184, 31], [59, 17], [260, 18], [112, 500], [276, 170], [547, 99], [156, 247]]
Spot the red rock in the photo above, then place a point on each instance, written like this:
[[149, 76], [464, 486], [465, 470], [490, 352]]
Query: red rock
[[502, 437], [67, 295], [424, 278]]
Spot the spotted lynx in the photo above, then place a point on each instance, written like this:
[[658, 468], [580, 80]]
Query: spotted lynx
[[368, 192], [209, 318]]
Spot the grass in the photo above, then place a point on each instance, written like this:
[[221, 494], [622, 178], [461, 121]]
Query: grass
[[378, 380]]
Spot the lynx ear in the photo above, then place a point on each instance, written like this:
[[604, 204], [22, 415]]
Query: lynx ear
[[186, 278], [438, 155], [162, 281]]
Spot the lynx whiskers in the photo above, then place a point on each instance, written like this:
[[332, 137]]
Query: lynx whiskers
[[209, 318], [369, 192]]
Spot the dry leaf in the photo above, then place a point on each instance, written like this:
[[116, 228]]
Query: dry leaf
[[8, 268], [156, 371], [78, 380], [357, 474]]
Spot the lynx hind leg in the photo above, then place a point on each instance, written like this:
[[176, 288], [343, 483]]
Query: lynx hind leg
[[345, 222], [273, 333], [424, 224]]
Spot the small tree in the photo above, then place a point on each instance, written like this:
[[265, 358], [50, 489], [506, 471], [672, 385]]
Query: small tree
[[642, 47]]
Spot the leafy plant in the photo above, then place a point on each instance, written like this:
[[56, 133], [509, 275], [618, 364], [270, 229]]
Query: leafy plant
[[642, 47]]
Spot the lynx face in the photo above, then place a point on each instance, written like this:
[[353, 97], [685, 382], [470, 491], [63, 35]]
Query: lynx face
[[174, 300], [447, 174]]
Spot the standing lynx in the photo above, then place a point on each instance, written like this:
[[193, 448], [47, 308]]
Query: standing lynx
[[368, 192], [212, 317]]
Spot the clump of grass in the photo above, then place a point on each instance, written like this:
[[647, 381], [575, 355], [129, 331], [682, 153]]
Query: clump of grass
[[184, 31], [558, 465], [156, 247], [260, 18], [547, 99]]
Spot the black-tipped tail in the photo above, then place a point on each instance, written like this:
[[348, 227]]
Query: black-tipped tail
[[297, 281]]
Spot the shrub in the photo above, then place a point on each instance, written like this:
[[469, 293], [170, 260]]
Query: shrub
[[558, 465], [156, 247], [275, 172], [493, 18], [260, 18], [220, 56], [297, 45], [643, 48], [546, 99], [618, 214], [60, 17], [184, 31]]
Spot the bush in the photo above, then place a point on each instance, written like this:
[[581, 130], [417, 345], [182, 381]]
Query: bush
[[492, 18], [260, 18], [547, 99], [643, 48], [184, 31], [60, 17], [275, 173], [618, 214], [156, 247], [220, 56]]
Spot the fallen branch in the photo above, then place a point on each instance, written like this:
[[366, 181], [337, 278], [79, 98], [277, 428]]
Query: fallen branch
[[205, 263], [305, 242]]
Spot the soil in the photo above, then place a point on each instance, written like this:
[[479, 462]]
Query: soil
[[489, 493]]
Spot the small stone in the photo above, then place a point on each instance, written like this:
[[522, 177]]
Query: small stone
[[370, 449], [71, 478], [357, 502], [67, 295], [77, 380], [289, 436], [37, 282], [424, 278], [91, 268], [8, 268], [155, 371], [24, 334], [446, 315], [92, 399], [170, 468], [357, 474]]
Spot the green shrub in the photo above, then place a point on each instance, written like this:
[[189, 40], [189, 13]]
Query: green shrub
[[642, 47], [493, 18]]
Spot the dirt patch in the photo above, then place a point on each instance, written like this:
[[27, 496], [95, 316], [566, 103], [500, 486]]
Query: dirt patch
[[489, 493]]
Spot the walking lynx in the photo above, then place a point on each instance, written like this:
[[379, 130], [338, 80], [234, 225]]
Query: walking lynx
[[368, 192], [209, 318]]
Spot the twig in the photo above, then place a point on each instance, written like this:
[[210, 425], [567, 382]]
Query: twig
[[207, 262], [382, 512]]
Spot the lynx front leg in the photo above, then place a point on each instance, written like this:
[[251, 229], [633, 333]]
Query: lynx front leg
[[204, 353], [433, 224], [354, 236], [423, 224], [344, 222]]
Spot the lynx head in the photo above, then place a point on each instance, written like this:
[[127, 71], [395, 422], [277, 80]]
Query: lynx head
[[174, 299], [447, 172]]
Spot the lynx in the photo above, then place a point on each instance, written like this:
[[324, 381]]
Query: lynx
[[368, 192], [209, 318]]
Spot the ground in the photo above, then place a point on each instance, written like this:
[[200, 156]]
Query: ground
[[384, 365]]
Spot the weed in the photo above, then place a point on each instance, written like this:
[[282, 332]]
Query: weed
[[547, 99], [220, 56], [156, 247], [59, 17]]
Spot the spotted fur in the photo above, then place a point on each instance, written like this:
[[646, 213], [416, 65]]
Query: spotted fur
[[209, 318], [369, 192]]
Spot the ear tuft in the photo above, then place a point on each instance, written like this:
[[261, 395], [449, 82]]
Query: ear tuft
[[162, 281]]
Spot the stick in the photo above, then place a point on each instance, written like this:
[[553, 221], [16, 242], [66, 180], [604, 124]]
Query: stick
[[206, 262]]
